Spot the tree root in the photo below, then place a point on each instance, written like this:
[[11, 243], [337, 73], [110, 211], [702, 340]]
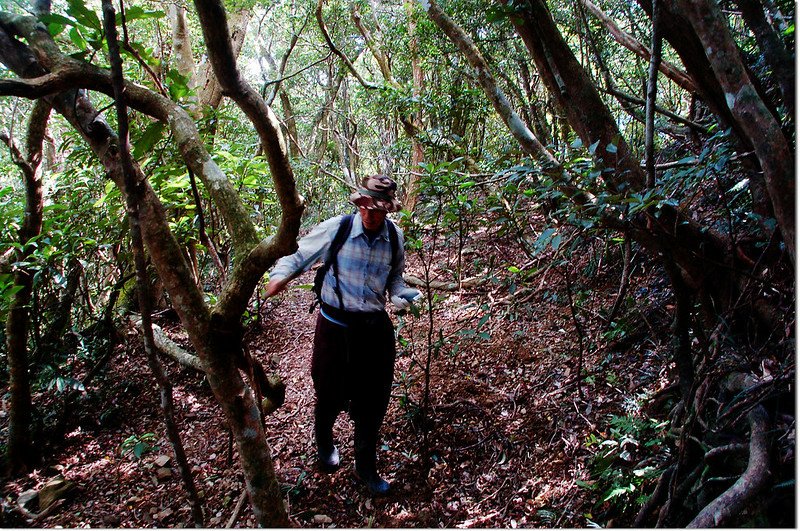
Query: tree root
[[662, 488], [730, 503]]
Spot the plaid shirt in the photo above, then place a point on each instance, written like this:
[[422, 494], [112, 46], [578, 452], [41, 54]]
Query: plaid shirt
[[364, 267]]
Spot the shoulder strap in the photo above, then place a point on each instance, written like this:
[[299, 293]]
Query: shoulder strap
[[394, 242], [330, 259]]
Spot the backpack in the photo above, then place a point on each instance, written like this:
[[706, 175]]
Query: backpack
[[330, 260]]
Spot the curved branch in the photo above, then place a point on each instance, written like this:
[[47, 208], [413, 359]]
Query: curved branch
[[67, 73], [250, 268], [679, 77]]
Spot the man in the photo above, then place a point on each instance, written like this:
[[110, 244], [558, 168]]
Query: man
[[353, 358]]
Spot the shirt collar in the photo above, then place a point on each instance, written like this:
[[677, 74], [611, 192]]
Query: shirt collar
[[358, 228]]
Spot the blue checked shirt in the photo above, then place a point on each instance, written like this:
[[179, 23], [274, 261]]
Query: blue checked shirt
[[363, 267]]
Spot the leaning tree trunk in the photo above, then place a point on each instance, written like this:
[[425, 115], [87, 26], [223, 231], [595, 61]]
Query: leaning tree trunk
[[677, 30], [20, 450], [702, 254], [749, 111], [775, 53]]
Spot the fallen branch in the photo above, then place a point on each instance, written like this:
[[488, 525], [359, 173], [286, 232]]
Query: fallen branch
[[170, 348], [730, 503], [468, 283], [237, 510]]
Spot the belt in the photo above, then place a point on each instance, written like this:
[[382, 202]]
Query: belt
[[345, 317]]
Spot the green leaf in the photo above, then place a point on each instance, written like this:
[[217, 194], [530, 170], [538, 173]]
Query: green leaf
[[84, 15], [514, 269], [148, 139], [556, 242], [138, 13], [139, 449], [611, 148], [52, 18], [77, 39], [593, 147]]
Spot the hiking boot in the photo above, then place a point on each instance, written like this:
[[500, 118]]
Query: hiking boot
[[376, 485], [328, 459]]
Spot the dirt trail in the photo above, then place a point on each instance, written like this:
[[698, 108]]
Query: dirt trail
[[505, 430]]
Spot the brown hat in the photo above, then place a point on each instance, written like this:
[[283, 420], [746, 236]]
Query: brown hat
[[377, 192]]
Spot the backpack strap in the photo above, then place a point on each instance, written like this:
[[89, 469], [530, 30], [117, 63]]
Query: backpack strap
[[394, 242], [330, 259]]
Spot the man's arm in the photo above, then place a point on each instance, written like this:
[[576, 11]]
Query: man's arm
[[310, 249]]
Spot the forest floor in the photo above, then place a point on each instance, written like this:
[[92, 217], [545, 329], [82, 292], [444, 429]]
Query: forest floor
[[507, 428]]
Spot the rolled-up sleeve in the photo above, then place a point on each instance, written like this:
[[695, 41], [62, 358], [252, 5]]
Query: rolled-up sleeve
[[310, 249]]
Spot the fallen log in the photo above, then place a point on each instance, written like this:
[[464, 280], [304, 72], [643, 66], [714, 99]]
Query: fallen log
[[467, 283]]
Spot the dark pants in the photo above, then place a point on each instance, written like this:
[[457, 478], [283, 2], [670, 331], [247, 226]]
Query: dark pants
[[352, 369]]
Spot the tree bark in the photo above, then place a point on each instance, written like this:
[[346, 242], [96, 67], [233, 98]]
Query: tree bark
[[20, 450]]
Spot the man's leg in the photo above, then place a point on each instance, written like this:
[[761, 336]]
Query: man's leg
[[328, 373], [372, 364]]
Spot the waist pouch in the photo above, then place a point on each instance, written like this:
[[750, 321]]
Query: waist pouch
[[355, 319]]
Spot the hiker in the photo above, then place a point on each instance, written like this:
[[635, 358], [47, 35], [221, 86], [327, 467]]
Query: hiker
[[353, 358]]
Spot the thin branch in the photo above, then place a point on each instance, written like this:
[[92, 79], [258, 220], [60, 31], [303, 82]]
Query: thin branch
[[661, 110], [324, 28]]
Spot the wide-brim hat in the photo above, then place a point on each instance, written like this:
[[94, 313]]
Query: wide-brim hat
[[377, 192]]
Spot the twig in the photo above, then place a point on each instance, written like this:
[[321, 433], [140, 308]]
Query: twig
[[237, 510]]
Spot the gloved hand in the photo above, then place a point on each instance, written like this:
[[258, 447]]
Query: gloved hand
[[405, 297]]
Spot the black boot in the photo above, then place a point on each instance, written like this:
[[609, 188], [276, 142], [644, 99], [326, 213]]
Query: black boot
[[366, 468], [327, 453], [376, 485]]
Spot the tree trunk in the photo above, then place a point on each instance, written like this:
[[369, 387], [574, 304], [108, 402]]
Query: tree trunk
[[777, 56], [20, 451], [132, 203], [217, 343]]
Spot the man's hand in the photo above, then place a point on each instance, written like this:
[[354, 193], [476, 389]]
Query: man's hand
[[405, 297], [275, 286]]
